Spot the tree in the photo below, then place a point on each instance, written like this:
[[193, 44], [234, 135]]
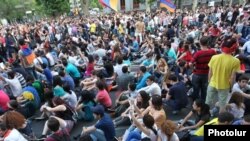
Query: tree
[[85, 7], [12, 9], [54, 7], [95, 4]]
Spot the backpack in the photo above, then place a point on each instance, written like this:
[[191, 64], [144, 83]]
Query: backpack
[[65, 136]]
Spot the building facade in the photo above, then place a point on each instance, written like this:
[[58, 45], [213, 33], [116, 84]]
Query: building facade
[[129, 5]]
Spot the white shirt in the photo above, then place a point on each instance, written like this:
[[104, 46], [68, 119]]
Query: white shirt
[[15, 86], [71, 99], [153, 89], [100, 52], [15, 136], [72, 59], [165, 138], [51, 59], [246, 47], [152, 136], [118, 69]]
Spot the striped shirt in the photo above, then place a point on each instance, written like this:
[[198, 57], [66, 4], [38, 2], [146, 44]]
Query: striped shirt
[[201, 59], [21, 79]]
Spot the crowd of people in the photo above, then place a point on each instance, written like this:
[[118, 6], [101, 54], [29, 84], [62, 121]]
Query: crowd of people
[[66, 69]]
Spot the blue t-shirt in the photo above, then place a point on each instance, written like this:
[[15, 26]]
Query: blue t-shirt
[[171, 54], [35, 93], [142, 82], [106, 125], [45, 61], [147, 62], [48, 75], [73, 71], [69, 80], [135, 46]]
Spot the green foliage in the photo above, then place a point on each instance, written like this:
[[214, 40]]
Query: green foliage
[[9, 11], [53, 7], [151, 2], [95, 4]]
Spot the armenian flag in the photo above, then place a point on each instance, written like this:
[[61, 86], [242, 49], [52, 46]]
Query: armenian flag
[[168, 5], [113, 4]]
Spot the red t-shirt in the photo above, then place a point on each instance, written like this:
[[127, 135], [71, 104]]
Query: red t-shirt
[[180, 50], [214, 31], [90, 68], [4, 100], [2, 40], [104, 98], [188, 56], [243, 67]]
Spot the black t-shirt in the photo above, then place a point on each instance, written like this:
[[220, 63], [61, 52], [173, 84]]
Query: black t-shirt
[[201, 17], [109, 68], [235, 14], [203, 117], [223, 16]]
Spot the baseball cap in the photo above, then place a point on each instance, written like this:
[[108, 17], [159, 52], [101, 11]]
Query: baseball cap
[[98, 109]]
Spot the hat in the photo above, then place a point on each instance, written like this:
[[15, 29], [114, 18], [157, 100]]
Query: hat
[[98, 109], [58, 91]]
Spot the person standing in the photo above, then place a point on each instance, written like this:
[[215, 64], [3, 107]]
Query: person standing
[[222, 71], [200, 72], [140, 27]]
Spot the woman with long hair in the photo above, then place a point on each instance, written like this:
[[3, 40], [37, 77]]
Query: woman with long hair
[[202, 116], [142, 102], [15, 120], [167, 132], [161, 69], [236, 105]]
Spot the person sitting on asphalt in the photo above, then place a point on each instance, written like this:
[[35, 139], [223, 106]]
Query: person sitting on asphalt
[[104, 129], [58, 134], [202, 116], [176, 98]]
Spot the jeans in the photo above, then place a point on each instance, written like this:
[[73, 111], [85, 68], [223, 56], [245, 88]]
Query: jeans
[[197, 138], [200, 82], [176, 106], [97, 135], [10, 51], [134, 136]]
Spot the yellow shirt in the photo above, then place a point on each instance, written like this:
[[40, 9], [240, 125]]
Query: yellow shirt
[[222, 65], [200, 131], [120, 29], [93, 28]]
